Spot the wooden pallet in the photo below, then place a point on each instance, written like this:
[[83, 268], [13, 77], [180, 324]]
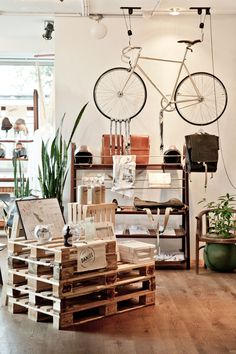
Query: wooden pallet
[[52, 258], [83, 314], [83, 284], [44, 282], [98, 295]]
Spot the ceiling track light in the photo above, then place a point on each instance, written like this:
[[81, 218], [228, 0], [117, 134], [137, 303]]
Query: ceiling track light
[[174, 11], [48, 28]]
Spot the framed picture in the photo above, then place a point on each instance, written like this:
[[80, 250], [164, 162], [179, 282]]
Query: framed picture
[[35, 212]]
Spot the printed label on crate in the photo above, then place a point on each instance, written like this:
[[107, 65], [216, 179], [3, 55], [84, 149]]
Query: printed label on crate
[[91, 256]]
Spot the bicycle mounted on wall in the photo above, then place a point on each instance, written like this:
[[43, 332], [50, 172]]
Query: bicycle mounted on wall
[[120, 93]]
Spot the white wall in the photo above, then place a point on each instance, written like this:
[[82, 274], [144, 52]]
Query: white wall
[[21, 36], [80, 59]]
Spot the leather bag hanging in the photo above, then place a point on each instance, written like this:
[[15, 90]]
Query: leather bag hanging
[[202, 152]]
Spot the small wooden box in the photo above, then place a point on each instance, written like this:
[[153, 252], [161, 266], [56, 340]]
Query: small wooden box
[[140, 146], [135, 251]]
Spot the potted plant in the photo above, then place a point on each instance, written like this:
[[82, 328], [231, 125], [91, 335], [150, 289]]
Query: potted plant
[[21, 190], [21, 184], [221, 256], [54, 160]]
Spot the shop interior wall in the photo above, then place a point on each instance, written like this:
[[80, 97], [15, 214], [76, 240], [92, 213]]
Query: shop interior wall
[[21, 36], [80, 59]]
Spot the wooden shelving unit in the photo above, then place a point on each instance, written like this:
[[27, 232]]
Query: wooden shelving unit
[[181, 233], [33, 111]]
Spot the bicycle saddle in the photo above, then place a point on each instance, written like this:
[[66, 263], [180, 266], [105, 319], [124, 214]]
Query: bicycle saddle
[[189, 42]]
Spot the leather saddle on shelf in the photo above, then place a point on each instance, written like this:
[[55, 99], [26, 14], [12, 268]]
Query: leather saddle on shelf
[[171, 203]]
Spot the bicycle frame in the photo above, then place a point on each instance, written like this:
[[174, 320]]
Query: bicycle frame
[[182, 66]]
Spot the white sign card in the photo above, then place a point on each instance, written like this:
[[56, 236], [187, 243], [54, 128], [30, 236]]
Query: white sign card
[[35, 212]]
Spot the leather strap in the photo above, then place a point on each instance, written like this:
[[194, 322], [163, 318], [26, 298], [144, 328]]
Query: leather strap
[[157, 228]]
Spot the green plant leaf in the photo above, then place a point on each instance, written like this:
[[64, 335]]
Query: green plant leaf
[[53, 171]]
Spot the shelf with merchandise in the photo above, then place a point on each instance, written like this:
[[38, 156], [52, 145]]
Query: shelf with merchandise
[[179, 185], [20, 132]]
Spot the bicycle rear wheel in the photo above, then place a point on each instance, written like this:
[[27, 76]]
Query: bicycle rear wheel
[[213, 99], [116, 105]]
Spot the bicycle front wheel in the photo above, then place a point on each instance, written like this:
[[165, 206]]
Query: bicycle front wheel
[[202, 100], [117, 103]]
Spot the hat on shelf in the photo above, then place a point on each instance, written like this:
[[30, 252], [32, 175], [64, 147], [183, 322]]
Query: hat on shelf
[[19, 151], [83, 155], [2, 151], [172, 155], [20, 126], [6, 124]]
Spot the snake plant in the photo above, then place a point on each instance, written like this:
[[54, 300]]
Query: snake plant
[[21, 185], [54, 159]]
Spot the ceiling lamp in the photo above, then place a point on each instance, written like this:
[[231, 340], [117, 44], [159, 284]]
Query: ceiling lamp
[[174, 11], [98, 29]]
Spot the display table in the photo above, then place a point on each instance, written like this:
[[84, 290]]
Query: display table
[[44, 282]]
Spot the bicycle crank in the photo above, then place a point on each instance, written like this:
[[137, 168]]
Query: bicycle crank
[[167, 106]]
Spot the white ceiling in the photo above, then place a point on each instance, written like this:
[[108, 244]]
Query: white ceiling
[[108, 7]]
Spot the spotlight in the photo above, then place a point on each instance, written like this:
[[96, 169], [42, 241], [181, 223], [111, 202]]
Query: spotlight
[[147, 14], [175, 11], [49, 28]]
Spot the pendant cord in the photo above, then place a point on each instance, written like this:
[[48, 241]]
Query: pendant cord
[[126, 25], [218, 126]]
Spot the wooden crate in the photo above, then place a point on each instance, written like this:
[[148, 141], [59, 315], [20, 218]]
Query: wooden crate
[[129, 287], [135, 251], [101, 212]]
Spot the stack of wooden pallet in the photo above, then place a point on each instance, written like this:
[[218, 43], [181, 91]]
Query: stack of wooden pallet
[[44, 282]]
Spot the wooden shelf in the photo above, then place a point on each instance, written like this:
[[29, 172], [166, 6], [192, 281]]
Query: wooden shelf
[[132, 210], [10, 159], [182, 234], [15, 141], [168, 166], [26, 139], [170, 263], [6, 179], [179, 233]]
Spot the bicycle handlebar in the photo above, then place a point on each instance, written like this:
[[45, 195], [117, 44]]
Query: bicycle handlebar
[[124, 57]]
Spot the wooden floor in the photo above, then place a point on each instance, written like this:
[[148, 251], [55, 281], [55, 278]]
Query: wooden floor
[[193, 314]]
